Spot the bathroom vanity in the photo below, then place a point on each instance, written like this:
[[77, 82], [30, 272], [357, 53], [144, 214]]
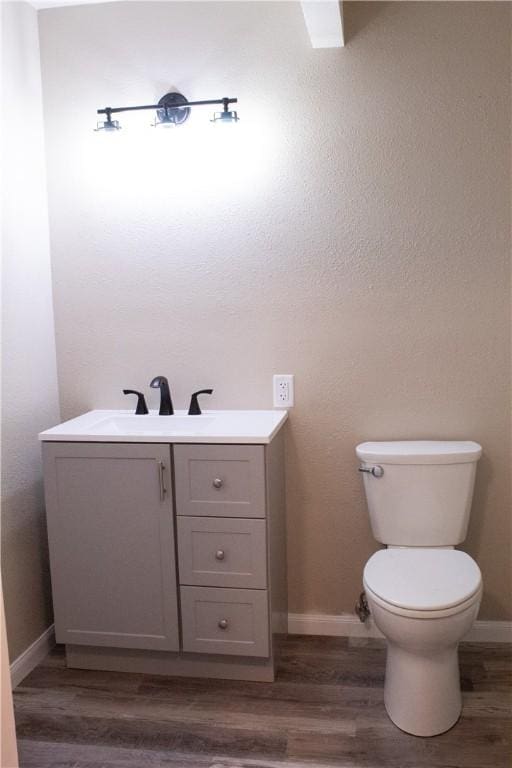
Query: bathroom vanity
[[167, 541]]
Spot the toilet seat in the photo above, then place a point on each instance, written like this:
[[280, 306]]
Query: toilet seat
[[423, 582], [412, 613]]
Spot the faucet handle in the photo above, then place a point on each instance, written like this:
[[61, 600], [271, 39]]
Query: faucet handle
[[142, 408], [194, 409]]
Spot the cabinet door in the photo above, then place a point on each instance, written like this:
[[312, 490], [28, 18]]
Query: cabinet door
[[111, 538]]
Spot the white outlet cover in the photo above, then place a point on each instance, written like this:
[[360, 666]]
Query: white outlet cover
[[283, 390]]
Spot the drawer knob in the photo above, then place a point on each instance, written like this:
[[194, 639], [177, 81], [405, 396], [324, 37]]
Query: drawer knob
[[223, 624], [220, 554], [217, 483]]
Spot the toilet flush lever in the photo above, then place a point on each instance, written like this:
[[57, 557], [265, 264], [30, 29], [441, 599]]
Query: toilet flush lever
[[376, 471]]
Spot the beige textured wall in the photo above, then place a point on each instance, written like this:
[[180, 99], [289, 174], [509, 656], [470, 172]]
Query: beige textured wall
[[353, 230], [29, 372]]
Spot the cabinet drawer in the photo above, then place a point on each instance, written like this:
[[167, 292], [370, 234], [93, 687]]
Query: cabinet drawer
[[220, 480], [226, 621], [222, 552]]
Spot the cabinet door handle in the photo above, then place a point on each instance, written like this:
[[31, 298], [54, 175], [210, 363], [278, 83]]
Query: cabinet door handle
[[220, 554], [217, 483], [223, 624], [163, 489]]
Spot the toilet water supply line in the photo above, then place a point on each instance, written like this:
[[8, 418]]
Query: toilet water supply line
[[362, 608]]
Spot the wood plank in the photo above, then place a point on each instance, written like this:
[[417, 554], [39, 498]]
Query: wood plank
[[172, 736], [43, 754]]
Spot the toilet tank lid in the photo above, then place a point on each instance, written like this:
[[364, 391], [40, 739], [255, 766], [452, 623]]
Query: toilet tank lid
[[420, 452]]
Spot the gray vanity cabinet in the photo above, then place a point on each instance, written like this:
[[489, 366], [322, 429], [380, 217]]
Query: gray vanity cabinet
[[168, 558], [111, 538]]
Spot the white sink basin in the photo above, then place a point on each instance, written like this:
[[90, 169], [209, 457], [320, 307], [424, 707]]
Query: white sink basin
[[211, 427], [153, 425]]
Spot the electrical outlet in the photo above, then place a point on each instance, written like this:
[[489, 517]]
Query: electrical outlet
[[283, 390]]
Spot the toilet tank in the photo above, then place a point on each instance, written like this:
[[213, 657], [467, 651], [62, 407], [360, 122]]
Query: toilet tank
[[423, 496]]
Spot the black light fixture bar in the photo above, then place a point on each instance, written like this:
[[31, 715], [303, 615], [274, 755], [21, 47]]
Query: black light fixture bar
[[114, 110], [172, 109]]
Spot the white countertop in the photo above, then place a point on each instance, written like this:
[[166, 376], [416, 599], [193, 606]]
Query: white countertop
[[105, 426]]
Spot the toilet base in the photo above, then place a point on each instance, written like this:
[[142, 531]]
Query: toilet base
[[422, 687], [422, 690]]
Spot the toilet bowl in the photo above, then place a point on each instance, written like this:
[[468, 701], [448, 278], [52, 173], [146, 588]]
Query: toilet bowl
[[423, 601], [423, 594]]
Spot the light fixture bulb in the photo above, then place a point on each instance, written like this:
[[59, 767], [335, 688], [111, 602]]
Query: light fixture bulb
[[225, 117], [163, 123], [108, 125]]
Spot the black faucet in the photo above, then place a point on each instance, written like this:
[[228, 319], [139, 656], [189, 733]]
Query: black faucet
[[142, 408], [160, 382], [194, 409]]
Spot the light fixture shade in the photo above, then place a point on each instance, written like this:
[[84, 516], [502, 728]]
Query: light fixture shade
[[108, 125], [165, 123], [225, 117]]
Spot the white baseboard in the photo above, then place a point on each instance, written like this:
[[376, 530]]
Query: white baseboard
[[490, 632], [346, 625], [34, 654], [336, 625]]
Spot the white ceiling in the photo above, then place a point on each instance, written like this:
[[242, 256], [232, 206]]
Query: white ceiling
[[323, 18], [40, 4]]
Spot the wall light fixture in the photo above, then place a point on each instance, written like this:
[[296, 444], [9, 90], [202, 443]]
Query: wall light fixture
[[172, 110]]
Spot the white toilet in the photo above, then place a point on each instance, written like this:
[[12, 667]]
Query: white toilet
[[423, 594]]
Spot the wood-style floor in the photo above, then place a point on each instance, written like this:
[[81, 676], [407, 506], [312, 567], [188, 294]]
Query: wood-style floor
[[325, 709]]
